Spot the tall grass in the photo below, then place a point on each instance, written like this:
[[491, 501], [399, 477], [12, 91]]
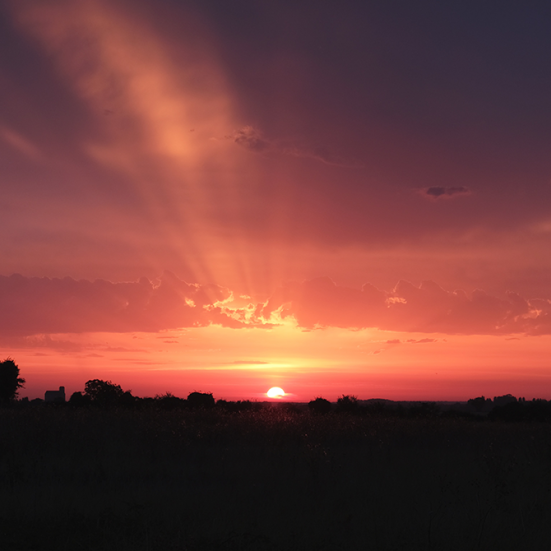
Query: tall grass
[[271, 479]]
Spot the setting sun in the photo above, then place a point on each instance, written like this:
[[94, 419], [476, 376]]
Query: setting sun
[[275, 392]]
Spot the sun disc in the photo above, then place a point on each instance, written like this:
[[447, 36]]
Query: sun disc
[[275, 392]]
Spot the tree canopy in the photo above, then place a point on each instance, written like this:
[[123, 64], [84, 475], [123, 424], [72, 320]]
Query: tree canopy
[[10, 381], [200, 400], [103, 392]]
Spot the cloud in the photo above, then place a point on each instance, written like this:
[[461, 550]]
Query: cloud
[[27, 340], [122, 349], [441, 192], [319, 302], [252, 139], [36, 306], [427, 308]]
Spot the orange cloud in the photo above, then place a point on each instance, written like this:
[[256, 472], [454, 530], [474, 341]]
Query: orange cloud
[[425, 309], [43, 305]]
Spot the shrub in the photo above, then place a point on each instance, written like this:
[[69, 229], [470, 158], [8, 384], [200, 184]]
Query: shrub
[[320, 406], [169, 402], [200, 400], [348, 404], [78, 399]]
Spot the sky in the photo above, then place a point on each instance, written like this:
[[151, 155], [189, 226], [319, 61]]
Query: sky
[[332, 198]]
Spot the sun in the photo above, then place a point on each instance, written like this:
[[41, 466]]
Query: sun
[[275, 392]]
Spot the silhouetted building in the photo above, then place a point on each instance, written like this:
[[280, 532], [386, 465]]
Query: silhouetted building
[[55, 395]]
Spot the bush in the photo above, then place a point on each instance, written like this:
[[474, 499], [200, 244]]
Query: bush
[[169, 402], [320, 406], [200, 400], [78, 399], [348, 404]]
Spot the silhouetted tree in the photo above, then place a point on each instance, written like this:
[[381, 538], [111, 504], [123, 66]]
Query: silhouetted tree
[[348, 404], [10, 381], [126, 399], [78, 399], [502, 400], [200, 400], [319, 406], [103, 392], [169, 402], [246, 405], [481, 403]]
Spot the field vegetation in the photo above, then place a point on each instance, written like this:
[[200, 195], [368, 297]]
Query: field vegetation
[[160, 475]]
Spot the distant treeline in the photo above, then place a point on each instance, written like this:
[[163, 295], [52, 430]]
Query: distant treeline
[[98, 393]]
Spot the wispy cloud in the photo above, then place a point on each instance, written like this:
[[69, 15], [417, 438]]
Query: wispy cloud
[[253, 139], [440, 192]]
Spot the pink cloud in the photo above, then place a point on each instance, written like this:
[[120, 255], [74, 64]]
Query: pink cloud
[[427, 308], [321, 302], [43, 305]]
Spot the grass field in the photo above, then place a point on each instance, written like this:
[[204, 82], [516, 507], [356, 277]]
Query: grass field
[[87, 479]]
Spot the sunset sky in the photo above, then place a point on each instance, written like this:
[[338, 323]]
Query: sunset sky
[[329, 197]]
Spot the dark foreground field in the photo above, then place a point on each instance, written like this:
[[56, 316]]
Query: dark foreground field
[[83, 479]]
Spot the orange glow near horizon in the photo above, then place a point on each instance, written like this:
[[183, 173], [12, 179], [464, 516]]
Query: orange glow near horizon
[[326, 363]]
